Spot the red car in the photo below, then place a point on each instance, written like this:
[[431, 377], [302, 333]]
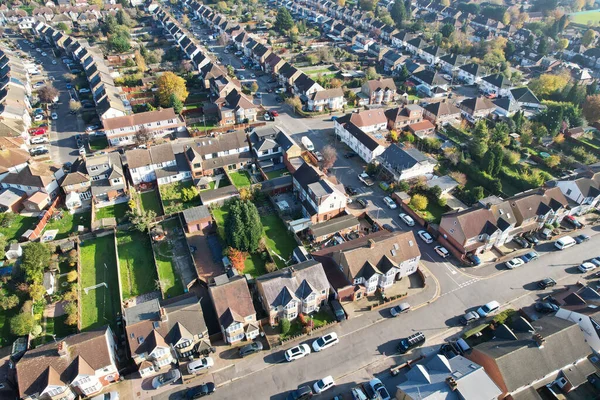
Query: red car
[[274, 113], [38, 132]]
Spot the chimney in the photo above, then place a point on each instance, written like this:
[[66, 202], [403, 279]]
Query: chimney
[[371, 244], [163, 315], [62, 349], [452, 383], [292, 271], [539, 340]]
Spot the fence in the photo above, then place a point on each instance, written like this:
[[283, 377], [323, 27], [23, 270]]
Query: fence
[[44, 220]]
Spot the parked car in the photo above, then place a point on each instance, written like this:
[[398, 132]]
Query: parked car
[[441, 251], [586, 267], [84, 90], [350, 190], [38, 150], [488, 308], [91, 128], [545, 307], [166, 378], [319, 156], [425, 236], [249, 349], [388, 228], [532, 255], [595, 261], [350, 154], [69, 86], [411, 342], [323, 384], [390, 203], [362, 202], [54, 116], [378, 387], [302, 393], [399, 309], [297, 352], [581, 238], [514, 263], [468, 318], [38, 140], [408, 220], [474, 258], [521, 242], [546, 283], [274, 113], [199, 391], [324, 342], [200, 365], [38, 118], [573, 221], [338, 310], [38, 132], [530, 237]]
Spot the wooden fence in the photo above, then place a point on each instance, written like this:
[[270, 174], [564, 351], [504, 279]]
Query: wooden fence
[[37, 231]]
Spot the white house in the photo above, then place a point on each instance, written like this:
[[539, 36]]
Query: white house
[[470, 73], [584, 192], [330, 99], [123, 130], [496, 84], [353, 130], [143, 163], [35, 177]]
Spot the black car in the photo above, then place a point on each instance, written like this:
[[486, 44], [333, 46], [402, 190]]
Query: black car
[[251, 348], [521, 242], [350, 154], [340, 315], [581, 238], [545, 307], [388, 228], [546, 283], [530, 237], [200, 391], [302, 393], [363, 203], [38, 152], [414, 340], [350, 190]]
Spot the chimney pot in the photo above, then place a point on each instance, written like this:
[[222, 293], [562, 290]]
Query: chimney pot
[[163, 315], [371, 244], [62, 349], [452, 383]]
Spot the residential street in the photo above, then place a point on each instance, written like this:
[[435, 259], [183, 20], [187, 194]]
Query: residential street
[[367, 343]]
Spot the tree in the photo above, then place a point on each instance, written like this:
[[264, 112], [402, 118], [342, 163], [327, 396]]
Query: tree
[[21, 324], [140, 62], [553, 161], [341, 3], [237, 259], [47, 93], [72, 276], [479, 145], [142, 135], [176, 103], [63, 27], [294, 102], [189, 194], [3, 243], [371, 73], [544, 46], [119, 43], [591, 108], [37, 291], [548, 84], [254, 87], [335, 83], [243, 228], [142, 220], [170, 84], [124, 19], [329, 157], [447, 30], [9, 302], [588, 37], [36, 257], [398, 13], [419, 202], [284, 325], [185, 20], [284, 20]]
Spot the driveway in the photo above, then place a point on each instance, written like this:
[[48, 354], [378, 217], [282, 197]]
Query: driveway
[[206, 265]]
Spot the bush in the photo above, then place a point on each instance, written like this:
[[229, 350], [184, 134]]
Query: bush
[[271, 267], [21, 324], [419, 202], [284, 325], [503, 316], [72, 276]]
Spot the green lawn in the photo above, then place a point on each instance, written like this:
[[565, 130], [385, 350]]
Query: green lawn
[[318, 71], [254, 265], [138, 273], [151, 201], [171, 197], [17, 226], [240, 179], [56, 326], [98, 143], [99, 306], [585, 17], [166, 270], [278, 173], [279, 240], [321, 318], [6, 336], [117, 211], [68, 223]]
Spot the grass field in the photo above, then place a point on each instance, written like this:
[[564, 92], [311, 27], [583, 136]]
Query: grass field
[[138, 273], [98, 143], [68, 223], [240, 179], [151, 201], [117, 211], [17, 226], [98, 264], [586, 17]]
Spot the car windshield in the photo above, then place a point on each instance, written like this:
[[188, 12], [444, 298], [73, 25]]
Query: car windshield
[[485, 308], [320, 384], [320, 342], [404, 343]]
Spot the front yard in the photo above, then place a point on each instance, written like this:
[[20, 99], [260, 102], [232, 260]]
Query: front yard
[[138, 272], [98, 265], [150, 201], [117, 211], [68, 223], [172, 198], [240, 179]]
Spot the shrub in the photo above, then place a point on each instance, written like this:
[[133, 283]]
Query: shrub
[[71, 319], [284, 326], [21, 324], [271, 267], [419, 202], [37, 330], [72, 276]]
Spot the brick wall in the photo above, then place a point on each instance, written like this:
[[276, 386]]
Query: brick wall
[[37, 231]]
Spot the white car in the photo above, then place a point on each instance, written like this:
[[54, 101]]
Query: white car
[[408, 220], [242, 77], [38, 118], [514, 263], [279, 90], [44, 54], [319, 156], [38, 140], [38, 148], [84, 90], [390, 203], [378, 387], [488, 308], [253, 76], [200, 365], [331, 339], [297, 352], [54, 116], [442, 251], [323, 384], [425, 236], [54, 62], [586, 267]]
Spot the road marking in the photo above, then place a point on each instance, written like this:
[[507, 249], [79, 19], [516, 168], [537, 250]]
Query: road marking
[[445, 264]]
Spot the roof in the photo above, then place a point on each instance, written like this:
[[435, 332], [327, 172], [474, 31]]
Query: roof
[[524, 95], [326, 94], [473, 69], [43, 366], [139, 119], [293, 283], [138, 158], [334, 225], [36, 175], [10, 196], [442, 109], [497, 80], [521, 361], [12, 157], [365, 118], [209, 196], [399, 158], [306, 174], [367, 141], [197, 213], [467, 224], [421, 126], [476, 104], [430, 78], [232, 301], [381, 84]]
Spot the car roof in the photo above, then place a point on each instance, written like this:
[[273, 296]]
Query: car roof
[[492, 304], [328, 379]]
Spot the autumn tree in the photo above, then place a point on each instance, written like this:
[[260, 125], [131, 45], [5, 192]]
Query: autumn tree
[[552, 161], [21, 324], [47, 93], [140, 61], [254, 87], [141, 220], [548, 84], [71, 276], [237, 259], [169, 84], [142, 135], [37, 291], [8, 302], [591, 108], [329, 157], [588, 37], [185, 20], [294, 102], [189, 194], [419, 202]]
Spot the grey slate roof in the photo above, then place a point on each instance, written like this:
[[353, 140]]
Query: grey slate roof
[[402, 158], [196, 214], [334, 225]]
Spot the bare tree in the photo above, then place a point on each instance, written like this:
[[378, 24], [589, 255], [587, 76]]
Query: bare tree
[[142, 135], [47, 93], [329, 157], [222, 40]]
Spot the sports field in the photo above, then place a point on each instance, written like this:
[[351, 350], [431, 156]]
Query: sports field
[[591, 17]]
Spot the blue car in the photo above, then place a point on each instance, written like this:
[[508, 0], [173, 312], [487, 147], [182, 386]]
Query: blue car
[[532, 255], [69, 86], [474, 259]]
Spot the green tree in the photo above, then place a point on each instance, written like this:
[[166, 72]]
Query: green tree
[[243, 228], [367, 5], [284, 325], [3, 243], [8, 302], [404, 73], [552, 161], [588, 37], [36, 257], [254, 87], [447, 30], [189, 194], [372, 73], [124, 19], [119, 43], [419, 202], [543, 47], [142, 220], [284, 20], [398, 13], [479, 144], [176, 103], [63, 27], [169, 84], [37, 291], [21, 324]]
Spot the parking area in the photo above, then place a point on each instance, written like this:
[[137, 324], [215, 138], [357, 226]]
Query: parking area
[[207, 253]]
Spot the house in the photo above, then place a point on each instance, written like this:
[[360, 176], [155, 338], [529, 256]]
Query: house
[[14, 251], [143, 163], [400, 117], [525, 98], [35, 177], [432, 54], [376, 264], [415, 46], [288, 74], [321, 199], [442, 113], [379, 91], [49, 282], [12, 159], [422, 129], [236, 109], [196, 218], [405, 163], [438, 377], [352, 130], [451, 63], [470, 73], [273, 63], [537, 207], [327, 99], [583, 192], [304, 86], [428, 81], [232, 301], [299, 289], [79, 365], [76, 186], [147, 125], [271, 146], [523, 358], [496, 84], [470, 231], [107, 179], [160, 333], [475, 108], [11, 200]]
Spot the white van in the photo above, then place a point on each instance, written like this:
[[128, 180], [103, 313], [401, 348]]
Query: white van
[[565, 243], [307, 143]]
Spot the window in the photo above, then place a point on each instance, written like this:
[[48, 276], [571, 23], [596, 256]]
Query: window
[[569, 191], [116, 181]]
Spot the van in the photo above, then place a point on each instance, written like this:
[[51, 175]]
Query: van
[[414, 340], [307, 144], [565, 243]]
